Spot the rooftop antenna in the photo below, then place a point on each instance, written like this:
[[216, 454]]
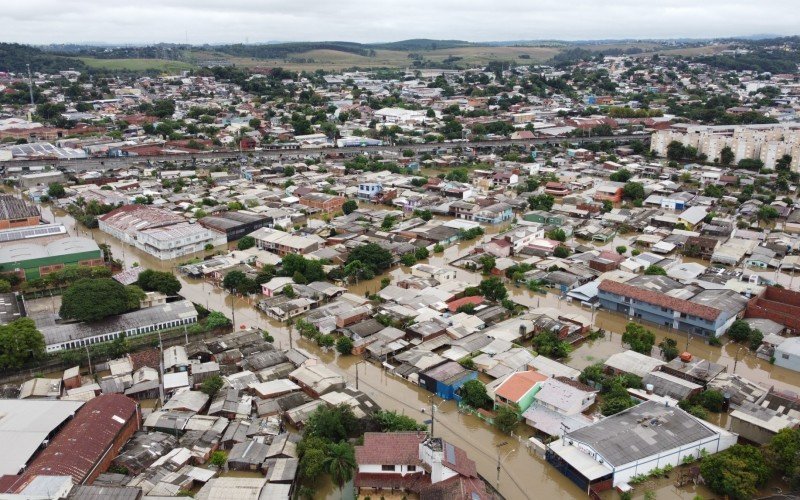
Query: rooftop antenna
[[30, 87]]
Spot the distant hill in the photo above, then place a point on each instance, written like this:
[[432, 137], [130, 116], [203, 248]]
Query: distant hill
[[14, 57], [281, 50], [422, 44]]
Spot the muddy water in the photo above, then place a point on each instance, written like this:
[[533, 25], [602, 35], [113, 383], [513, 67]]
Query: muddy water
[[523, 475]]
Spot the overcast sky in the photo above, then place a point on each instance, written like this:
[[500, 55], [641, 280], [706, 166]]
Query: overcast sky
[[241, 21]]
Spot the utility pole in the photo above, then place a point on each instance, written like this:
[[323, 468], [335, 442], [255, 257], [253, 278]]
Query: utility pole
[[185, 335], [433, 415], [233, 309], [30, 87], [161, 369], [499, 460], [89, 356]]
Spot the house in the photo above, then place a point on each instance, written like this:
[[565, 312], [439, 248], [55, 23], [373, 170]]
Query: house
[[440, 274], [787, 354], [413, 462], [557, 189], [758, 424], [609, 191], [565, 396], [493, 214], [317, 379], [667, 302], [445, 380], [696, 370], [633, 442], [283, 243], [322, 202], [632, 363], [369, 191], [519, 389]]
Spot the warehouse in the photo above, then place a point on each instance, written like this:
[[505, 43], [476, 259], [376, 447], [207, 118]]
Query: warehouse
[[31, 261], [234, 224], [89, 442], [26, 426], [634, 442]]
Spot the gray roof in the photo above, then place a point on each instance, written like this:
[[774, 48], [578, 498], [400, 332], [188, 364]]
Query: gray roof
[[25, 424], [643, 431], [84, 492], [57, 333]]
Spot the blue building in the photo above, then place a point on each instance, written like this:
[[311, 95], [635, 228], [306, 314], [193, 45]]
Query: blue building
[[444, 380], [369, 190], [667, 302], [494, 214]]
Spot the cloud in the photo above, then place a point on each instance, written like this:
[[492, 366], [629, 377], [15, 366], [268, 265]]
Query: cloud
[[238, 21]]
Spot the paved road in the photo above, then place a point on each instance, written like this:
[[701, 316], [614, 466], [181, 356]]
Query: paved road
[[81, 165]]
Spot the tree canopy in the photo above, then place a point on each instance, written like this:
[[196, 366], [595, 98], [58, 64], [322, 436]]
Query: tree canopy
[[95, 299], [639, 338], [159, 281], [20, 342], [737, 472], [373, 256]]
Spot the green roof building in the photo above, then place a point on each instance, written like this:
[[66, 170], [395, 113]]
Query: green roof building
[[30, 261]]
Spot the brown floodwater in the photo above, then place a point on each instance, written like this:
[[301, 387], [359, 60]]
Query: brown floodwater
[[523, 474]]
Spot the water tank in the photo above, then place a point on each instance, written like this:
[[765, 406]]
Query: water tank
[[686, 357], [649, 388]]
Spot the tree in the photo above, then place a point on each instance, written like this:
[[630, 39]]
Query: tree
[[390, 421], [616, 400], [726, 156], [212, 385], [557, 234], [784, 162], [548, 344], [737, 472], [216, 319], [94, 299], [56, 190], [340, 463], [218, 459], [766, 212], [493, 289], [388, 222], [159, 281], [246, 242], [349, 207], [458, 175], [561, 252], [372, 255], [334, 424], [425, 214], [739, 330], [344, 345], [669, 349], [438, 248], [408, 259], [288, 290], [312, 459], [134, 297], [654, 270], [676, 151], [487, 263], [506, 419], [20, 343], [473, 393], [621, 249], [5, 286], [714, 191], [421, 253], [633, 191], [233, 281], [638, 338], [621, 175], [783, 454], [712, 400], [541, 202]]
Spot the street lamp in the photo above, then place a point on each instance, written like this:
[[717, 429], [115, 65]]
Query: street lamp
[[499, 460]]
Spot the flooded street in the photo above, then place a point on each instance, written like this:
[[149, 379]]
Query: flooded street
[[523, 475]]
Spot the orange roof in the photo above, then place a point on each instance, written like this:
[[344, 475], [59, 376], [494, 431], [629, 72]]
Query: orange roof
[[518, 384]]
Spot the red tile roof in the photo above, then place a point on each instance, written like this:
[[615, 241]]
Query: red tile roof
[[390, 448], [660, 299], [455, 304], [81, 445], [518, 384]]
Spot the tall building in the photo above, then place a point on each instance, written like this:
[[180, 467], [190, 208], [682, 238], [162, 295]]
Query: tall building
[[767, 143]]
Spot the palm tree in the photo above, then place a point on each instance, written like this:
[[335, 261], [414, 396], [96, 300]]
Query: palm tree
[[341, 463]]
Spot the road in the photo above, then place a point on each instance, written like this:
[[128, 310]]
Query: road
[[82, 165]]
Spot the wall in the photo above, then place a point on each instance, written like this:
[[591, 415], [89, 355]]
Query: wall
[[750, 432], [124, 435], [779, 305]]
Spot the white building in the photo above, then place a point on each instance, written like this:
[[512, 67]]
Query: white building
[[159, 232], [648, 436]]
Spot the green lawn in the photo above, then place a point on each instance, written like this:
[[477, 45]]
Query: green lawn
[[136, 64]]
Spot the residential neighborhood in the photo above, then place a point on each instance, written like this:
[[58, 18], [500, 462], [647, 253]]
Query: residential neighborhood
[[560, 277]]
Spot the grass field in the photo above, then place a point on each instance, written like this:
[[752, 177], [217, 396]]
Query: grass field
[[136, 64], [334, 60]]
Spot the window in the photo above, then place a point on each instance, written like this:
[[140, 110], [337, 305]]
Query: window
[[387, 468], [411, 468], [785, 356]]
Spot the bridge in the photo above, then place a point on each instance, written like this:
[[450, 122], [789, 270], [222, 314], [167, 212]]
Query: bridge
[[110, 163]]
